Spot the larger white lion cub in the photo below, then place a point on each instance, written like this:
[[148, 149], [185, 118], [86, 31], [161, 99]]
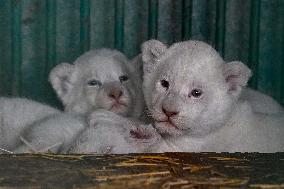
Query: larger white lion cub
[[194, 99], [260, 102], [102, 78]]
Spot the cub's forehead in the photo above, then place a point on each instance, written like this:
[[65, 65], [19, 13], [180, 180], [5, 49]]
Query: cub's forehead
[[186, 74], [193, 53], [102, 68], [192, 61]]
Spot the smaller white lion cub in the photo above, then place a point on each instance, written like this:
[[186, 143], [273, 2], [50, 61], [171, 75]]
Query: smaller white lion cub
[[193, 97], [98, 79]]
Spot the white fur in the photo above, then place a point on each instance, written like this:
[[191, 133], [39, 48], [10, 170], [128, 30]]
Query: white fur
[[102, 132], [215, 121], [111, 133], [70, 82], [53, 133], [16, 114], [260, 102]]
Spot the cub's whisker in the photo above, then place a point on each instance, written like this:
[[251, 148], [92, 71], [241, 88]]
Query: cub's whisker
[[7, 151]]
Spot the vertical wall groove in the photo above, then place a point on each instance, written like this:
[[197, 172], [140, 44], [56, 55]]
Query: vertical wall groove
[[282, 66], [5, 47], [186, 19], [119, 23], [50, 45], [84, 25], [254, 40], [16, 47], [220, 26], [50, 34], [153, 19]]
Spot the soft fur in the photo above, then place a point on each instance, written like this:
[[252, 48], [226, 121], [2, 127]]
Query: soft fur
[[103, 66], [217, 120], [15, 115], [53, 133], [103, 132], [261, 103], [112, 133]]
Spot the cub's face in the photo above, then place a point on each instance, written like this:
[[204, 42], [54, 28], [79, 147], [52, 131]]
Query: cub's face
[[99, 80], [187, 88], [109, 86]]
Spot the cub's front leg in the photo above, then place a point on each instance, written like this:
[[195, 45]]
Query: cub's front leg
[[51, 134], [110, 133]]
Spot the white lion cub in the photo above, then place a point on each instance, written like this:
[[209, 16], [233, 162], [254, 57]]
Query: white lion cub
[[260, 103], [99, 79], [102, 78], [15, 115], [194, 99]]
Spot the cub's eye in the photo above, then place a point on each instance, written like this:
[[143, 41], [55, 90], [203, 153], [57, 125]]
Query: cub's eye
[[196, 93], [123, 78], [165, 84], [94, 83]]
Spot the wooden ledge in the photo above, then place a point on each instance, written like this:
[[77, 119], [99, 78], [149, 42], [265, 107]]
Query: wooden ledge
[[169, 170]]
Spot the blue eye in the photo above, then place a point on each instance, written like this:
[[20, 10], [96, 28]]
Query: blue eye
[[123, 78], [94, 83]]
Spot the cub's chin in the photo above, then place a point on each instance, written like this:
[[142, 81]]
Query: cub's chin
[[121, 109], [168, 129]]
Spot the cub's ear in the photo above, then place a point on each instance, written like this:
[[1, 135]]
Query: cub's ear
[[237, 75], [136, 65], [60, 79], [117, 55], [151, 51]]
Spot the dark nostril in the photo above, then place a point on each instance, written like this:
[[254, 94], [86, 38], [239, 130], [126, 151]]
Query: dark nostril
[[115, 94], [120, 94], [169, 113], [111, 95]]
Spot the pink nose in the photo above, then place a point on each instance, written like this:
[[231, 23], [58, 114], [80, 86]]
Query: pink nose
[[115, 94], [169, 113]]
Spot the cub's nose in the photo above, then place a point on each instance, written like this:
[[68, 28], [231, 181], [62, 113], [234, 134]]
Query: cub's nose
[[115, 94], [169, 113]]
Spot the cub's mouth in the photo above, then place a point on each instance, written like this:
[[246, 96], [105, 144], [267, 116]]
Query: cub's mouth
[[167, 123], [118, 106], [167, 128]]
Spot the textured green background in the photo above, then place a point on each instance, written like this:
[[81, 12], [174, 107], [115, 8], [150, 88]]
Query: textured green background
[[35, 35]]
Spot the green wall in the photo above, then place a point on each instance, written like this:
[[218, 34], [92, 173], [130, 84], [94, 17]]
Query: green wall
[[35, 35]]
